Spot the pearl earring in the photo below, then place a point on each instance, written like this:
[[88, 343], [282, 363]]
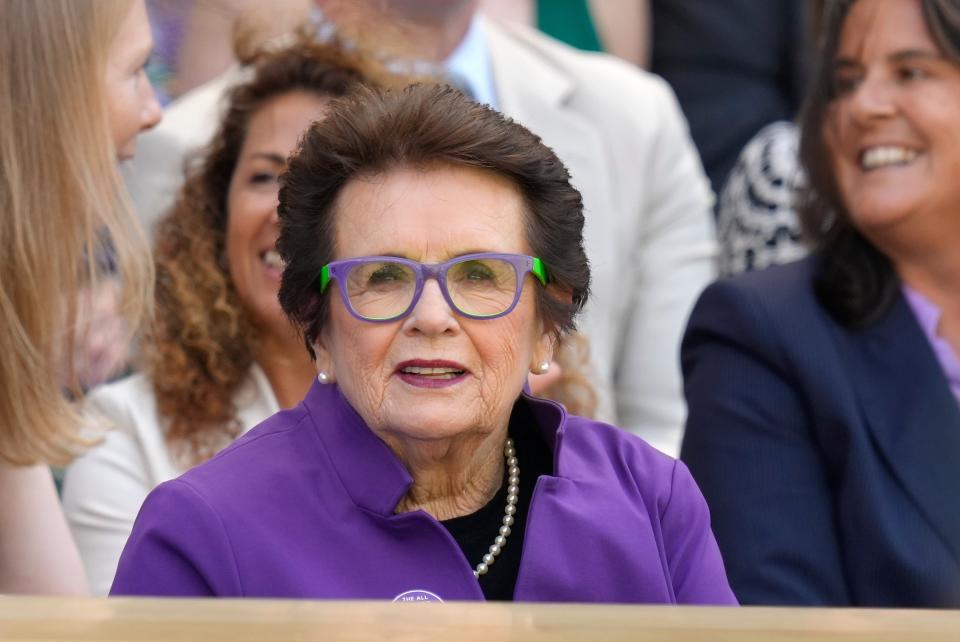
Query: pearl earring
[[323, 377], [544, 367]]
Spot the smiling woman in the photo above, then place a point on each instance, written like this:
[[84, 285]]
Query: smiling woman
[[892, 130], [252, 227], [824, 424], [434, 255]]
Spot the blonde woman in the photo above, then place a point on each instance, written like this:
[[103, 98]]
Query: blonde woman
[[73, 97]]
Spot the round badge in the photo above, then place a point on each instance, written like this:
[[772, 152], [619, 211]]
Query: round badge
[[417, 595]]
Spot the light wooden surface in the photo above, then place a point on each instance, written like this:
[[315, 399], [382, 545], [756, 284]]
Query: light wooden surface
[[32, 618]]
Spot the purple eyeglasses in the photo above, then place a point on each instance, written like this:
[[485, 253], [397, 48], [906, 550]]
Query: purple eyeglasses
[[387, 288]]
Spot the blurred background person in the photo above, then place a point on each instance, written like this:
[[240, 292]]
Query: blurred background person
[[736, 66], [650, 233], [757, 222], [433, 254], [221, 357], [73, 97], [824, 425], [195, 38]]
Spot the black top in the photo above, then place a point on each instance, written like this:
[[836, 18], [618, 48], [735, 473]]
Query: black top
[[475, 532]]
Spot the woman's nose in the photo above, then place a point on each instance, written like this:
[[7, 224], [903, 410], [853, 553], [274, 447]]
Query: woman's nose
[[432, 315], [152, 112], [873, 98]]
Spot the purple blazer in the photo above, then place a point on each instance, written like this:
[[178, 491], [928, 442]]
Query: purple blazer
[[302, 506]]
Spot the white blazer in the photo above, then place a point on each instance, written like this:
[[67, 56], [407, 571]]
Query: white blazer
[[104, 489], [649, 224]]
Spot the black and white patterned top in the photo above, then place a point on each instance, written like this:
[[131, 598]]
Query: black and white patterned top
[[757, 222]]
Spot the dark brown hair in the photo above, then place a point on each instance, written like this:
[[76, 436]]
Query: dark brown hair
[[373, 131], [855, 281], [201, 346]]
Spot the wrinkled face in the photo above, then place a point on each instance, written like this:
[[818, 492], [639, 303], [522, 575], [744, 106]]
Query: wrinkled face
[[433, 374], [893, 129], [132, 105], [252, 223]]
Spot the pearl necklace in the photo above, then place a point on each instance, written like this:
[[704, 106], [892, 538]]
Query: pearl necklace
[[513, 494]]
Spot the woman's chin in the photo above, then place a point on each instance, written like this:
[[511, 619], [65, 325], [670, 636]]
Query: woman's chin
[[269, 318], [882, 210], [432, 419], [423, 426]]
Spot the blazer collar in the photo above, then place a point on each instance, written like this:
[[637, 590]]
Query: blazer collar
[[546, 87], [371, 475], [912, 414], [536, 91], [542, 84]]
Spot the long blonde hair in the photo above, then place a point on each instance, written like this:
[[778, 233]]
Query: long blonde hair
[[62, 205]]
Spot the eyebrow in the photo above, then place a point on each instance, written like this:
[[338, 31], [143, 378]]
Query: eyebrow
[[845, 63], [910, 54], [401, 255], [899, 56], [270, 156]]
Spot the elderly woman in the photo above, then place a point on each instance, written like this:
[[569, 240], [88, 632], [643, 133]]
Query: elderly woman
[[433, 256], [824, 424], [221, 356]]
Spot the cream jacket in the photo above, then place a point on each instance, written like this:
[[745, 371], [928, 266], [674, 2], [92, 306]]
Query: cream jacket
[[104, 489]]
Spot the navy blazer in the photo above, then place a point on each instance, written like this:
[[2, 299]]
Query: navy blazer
[[829, 457]]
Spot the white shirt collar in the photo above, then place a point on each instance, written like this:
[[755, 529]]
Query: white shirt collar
[[470, 63]]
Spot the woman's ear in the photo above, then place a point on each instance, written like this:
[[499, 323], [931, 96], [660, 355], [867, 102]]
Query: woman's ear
[[543, 351], [544, 371]]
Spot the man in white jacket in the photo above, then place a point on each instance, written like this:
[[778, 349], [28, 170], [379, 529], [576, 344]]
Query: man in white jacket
[[649, 227]]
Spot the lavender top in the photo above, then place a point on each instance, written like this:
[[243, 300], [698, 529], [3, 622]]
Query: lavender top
[[303, 505], [928, 316]]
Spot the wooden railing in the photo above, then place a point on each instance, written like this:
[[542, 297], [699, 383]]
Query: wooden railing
[[62, 619]]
